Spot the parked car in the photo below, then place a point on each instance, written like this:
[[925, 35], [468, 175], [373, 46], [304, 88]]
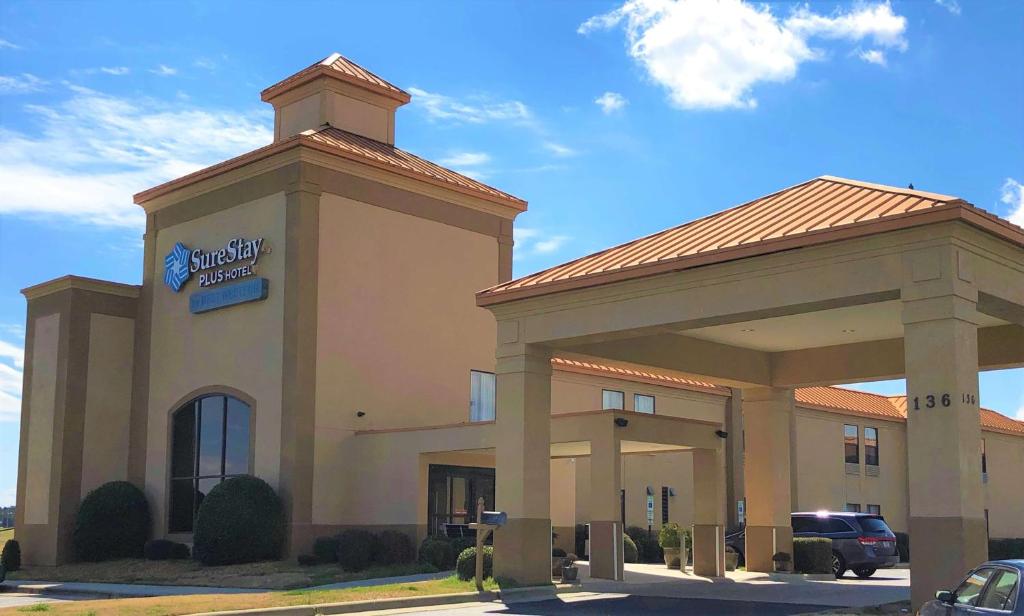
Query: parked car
[[861, 542], [992, 588]]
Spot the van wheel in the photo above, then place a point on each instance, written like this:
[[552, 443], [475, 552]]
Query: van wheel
[[838, 565], [864, 572]]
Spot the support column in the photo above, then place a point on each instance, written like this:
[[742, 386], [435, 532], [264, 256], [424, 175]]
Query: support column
[[709, 512], [522, 547], [947, 522], [606, 557], [766, 475]]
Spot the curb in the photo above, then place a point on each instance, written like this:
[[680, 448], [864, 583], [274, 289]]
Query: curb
[[58, 588]]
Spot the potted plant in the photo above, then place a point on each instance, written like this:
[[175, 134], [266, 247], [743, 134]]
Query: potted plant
[[783, 562], [732, 558], [557, 561], [569, 568], [670, 540]]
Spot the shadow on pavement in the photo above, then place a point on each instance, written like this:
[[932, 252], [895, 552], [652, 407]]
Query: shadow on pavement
[[658, 606]]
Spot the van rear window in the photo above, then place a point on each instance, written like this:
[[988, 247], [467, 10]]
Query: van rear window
[[874, 525]]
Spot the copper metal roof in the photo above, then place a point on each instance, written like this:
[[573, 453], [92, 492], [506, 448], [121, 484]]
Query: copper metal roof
[[820, 210], [339, 67], [357, 148]]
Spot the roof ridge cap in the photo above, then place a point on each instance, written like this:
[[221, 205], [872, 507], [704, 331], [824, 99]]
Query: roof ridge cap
[[331, 59], [892, 189]]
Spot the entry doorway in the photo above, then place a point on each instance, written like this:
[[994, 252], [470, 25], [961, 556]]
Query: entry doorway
[[452, 492]]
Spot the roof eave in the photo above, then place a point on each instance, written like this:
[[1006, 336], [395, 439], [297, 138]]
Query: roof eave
[[315, 72]]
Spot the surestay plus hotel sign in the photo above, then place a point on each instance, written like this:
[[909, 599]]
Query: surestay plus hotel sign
[[394, 372]]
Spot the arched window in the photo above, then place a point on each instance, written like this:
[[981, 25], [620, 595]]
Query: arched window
[[209, 442]]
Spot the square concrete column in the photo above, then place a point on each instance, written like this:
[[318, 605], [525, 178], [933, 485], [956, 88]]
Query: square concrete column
[[606, 557], [767, 413], [522, 547], [947, 521], [709, 512]]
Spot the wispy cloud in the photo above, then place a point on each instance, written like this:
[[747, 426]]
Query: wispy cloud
[[463, 159], [205, 64], [25, 83], [115, 70], [559, 150], [610, 102], [5, 44], [710, 55], [12, 365], [532, 242], [92, 152], [1012, 195], [874, 56], [164, 71], [950, 5], [474, 110]]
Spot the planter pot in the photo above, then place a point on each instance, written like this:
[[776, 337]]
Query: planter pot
[[672, 557], [732, 560], [783, 566], [569, 573], [557, 566]]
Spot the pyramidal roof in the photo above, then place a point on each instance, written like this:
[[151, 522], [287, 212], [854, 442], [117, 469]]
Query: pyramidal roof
[[338, 67], [817, 211]]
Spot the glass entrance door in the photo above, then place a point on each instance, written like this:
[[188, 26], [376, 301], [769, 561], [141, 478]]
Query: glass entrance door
[[452, 494]]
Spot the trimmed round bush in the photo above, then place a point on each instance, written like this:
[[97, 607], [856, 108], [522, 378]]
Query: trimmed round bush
[[163, 549], [437, 552], [812, 554], [241, 520], [3, 573], [465, 566], [356, 548], [629, 551], [308, 560], [10, 558], [113, 521], [325, 549], [394, 548]]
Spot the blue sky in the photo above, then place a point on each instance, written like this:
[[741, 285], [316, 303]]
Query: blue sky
[[613, 120]]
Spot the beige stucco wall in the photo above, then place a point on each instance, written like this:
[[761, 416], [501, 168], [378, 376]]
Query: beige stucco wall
[[39, 464], [1004, 496], [398, 331], [239, 347], [573, 392], [107, 401]]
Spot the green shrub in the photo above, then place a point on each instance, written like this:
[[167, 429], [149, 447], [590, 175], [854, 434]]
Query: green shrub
[[459, 544], [356, 548], [669, 536], [1002, 549], [647, 546], [164, 549], [325, 549], [241, 520], [308, 560], [10, 558], [3, 573], [812, 555], [903, 546], [437, 551], [393, 548], [113, 521], [465, 566], [629, 552]]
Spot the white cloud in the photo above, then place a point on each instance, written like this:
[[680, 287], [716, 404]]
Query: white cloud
[[24, 83], [466, 159], [531, 242], [12, 362], [1013, 196], [950, 5], [5, 44], [115, 70], [610, 102], [12, 353], [874, 56], [476, 110], [92, 152], [550, 244], [710, 55], [205, 63], [164, 71], [559, 150]]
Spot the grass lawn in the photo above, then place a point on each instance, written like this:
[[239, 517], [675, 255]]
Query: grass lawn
[[6, 534], [172, 606], [272, 575]]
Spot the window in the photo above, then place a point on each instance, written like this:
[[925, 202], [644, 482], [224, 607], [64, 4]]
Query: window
[[984, 458], [835, 525], [611, 399], [851, 439], [852, 507], [969, 591], [871, 446], [664, 504], [802, 524], [874, 525], [481, 396], [875, 509], [643, 403], [209, 442], [452, 492], [1001, 591]]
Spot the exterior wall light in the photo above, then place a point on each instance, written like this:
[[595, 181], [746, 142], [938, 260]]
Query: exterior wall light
[[360, 413], [621, 422], [721, 433]]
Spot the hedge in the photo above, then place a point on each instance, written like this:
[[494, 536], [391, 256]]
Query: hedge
[[325, 549], [113, 521], [356, 548], [629, 552], [437, 551], [393, 547], [812, 554], [10, 558], [648, 550], [903, 546], [465, 566], [241, 520], [1003, 549], [164, 549]]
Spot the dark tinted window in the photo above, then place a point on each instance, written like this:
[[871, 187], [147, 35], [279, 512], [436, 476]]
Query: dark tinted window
[[835, 525], [871, 446], [874, 525], [805, 525], [851, 441]]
